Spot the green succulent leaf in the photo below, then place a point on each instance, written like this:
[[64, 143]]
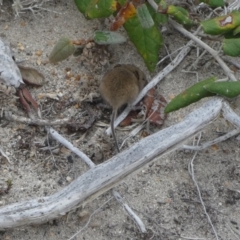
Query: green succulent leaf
[[62, 50], [96, 8], [223, 24], [226, 89], [108, 37], [214, 3], [190, 95], [180, 15], [148, 41], [231, 47]]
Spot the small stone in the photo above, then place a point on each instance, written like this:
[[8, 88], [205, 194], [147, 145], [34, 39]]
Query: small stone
[[69, 179], [89, 45]]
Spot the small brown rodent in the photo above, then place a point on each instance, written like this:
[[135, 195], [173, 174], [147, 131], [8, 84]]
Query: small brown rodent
[[121, 85]]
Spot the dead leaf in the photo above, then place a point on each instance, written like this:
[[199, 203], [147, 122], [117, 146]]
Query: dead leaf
[[78, 77], [148, 100], [214, 147], [39, 62], [128, 120], [20, 46], [38, 53], [31, 76], [127, 11], [156, 114]]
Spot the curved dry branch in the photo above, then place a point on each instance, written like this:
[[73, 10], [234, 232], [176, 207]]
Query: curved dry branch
[[105, 176]]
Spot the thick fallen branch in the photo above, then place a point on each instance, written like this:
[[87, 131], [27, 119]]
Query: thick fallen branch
[[105, 176]]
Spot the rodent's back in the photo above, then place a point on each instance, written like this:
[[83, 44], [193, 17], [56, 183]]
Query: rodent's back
[[120, 86]]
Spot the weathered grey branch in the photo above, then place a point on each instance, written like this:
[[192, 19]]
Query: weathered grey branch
[[88, 161], [105, 176]]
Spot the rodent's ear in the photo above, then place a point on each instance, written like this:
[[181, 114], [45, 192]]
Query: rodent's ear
[[118, 65], [140, 75], [137, 74]]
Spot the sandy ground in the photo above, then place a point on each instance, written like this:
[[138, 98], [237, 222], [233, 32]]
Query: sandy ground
[[162, 193]]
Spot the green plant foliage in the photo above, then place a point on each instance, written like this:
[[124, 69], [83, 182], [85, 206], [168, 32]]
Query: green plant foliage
[[96, 8], [236, 31], [62, 50], [226, 89], [214, 3], [156, 16], [144, 16], [180, 15], [108, 37], [223, 24], [231, 47], [121, 2], [190, 95], [148, 41]]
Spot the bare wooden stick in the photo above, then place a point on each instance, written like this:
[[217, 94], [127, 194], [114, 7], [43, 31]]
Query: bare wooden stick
[[215, 141], [192, 174], [129, 211], [88, 161], [69, 145], [105, 176]]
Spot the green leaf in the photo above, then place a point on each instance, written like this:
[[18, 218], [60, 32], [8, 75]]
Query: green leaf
[[214, 3], [190, 95], [223, 24], [144, 16], [231, 47], [231, 35], [96, 8], [62, 50], [236, 31], [148, 41], [180, 14], [226, 89], [121, 2], [108, 37], [158, 18], [81, 5]]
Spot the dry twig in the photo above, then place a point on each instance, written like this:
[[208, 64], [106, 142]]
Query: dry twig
[[9, 116]]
